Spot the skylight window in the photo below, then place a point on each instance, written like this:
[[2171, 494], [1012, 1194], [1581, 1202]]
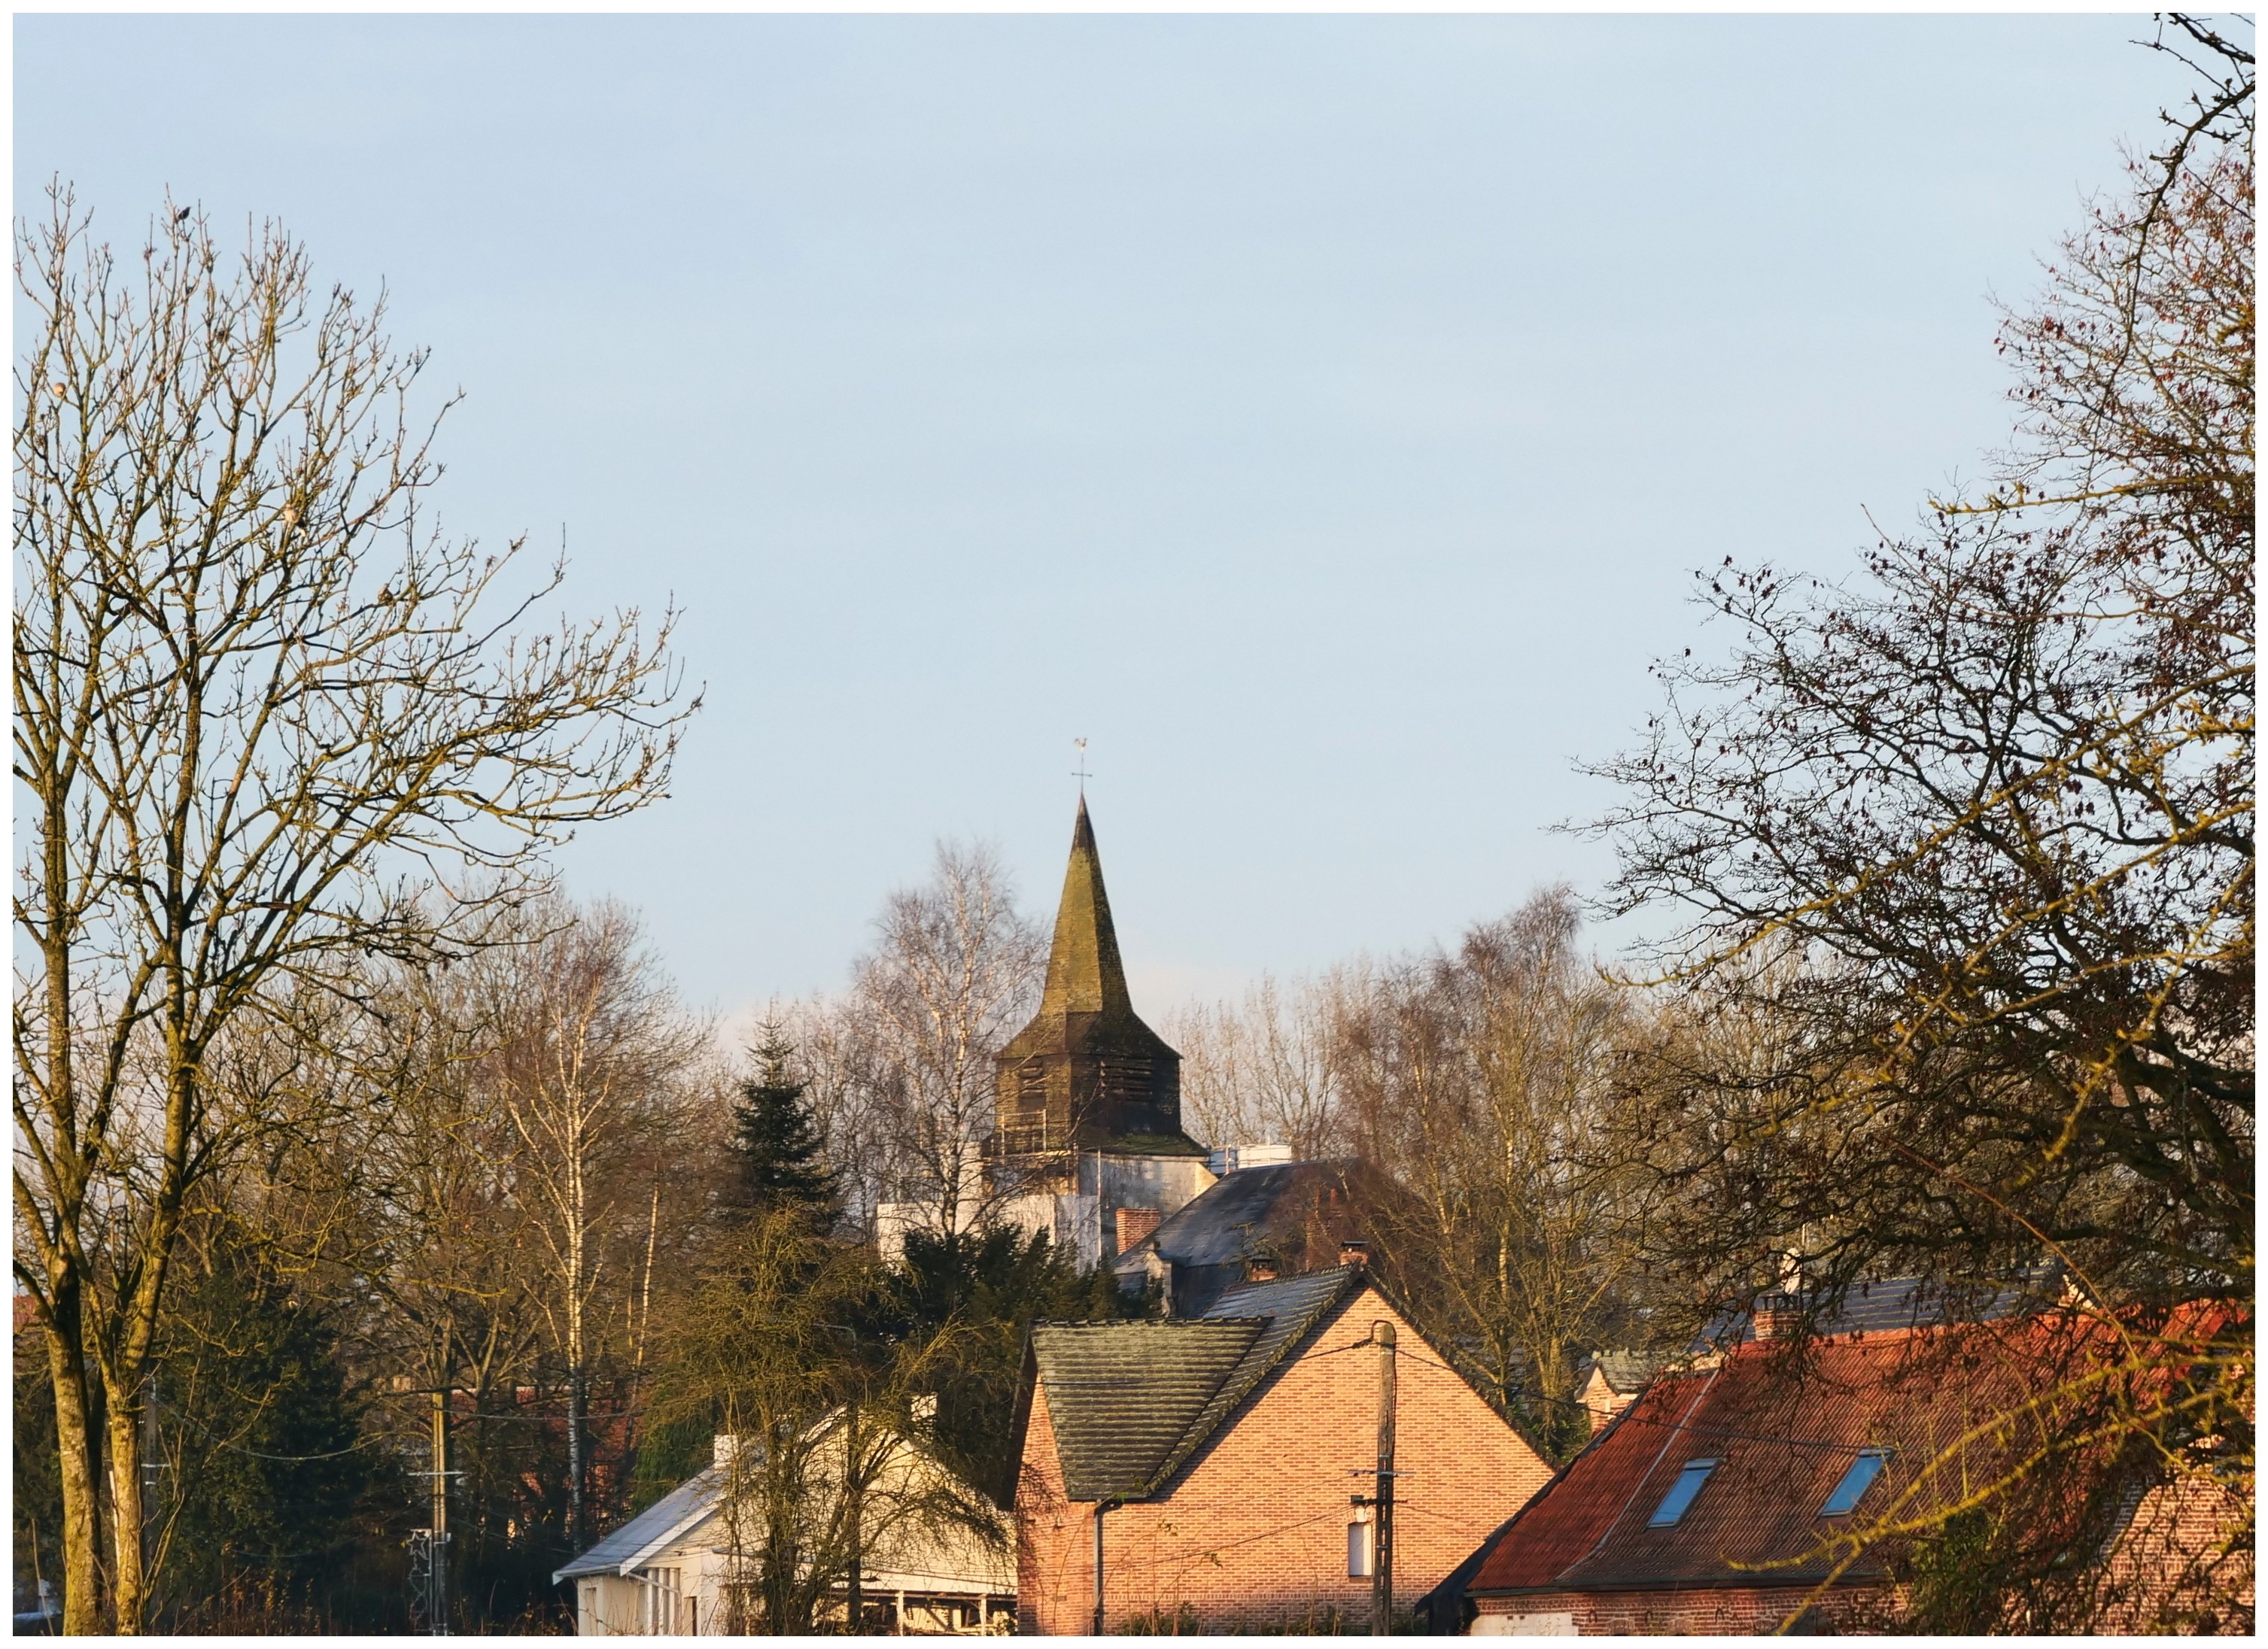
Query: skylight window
[[1680, 1493], [1855, 1483]]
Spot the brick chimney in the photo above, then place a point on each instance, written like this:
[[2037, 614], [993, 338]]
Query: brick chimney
[[1354, 1251], [1134, 1224], [1260, 1267], [1776, 1314]]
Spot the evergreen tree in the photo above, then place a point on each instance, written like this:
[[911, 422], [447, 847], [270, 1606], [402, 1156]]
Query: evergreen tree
[[776, 1142], [993, 1285]]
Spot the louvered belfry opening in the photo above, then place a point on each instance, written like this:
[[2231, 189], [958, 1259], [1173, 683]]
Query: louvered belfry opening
[[1086, 1074]]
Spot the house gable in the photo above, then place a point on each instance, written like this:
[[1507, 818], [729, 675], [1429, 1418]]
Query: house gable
[[1244, 1522]]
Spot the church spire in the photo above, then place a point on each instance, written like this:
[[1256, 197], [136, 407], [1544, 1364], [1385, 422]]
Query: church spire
[[1086, 1074], [1085, 974]]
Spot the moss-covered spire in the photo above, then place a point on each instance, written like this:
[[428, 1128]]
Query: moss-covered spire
[[1083, 973]]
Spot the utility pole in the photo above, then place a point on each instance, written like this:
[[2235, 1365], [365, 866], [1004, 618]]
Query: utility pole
[[1101, 1506], [441, 1512], [1381, 1568], [152, 1463], [856, 1600]]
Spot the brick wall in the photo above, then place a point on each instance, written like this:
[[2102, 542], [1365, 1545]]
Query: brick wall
[[2183, 1563], [1719, 1611], [1253, 1534]]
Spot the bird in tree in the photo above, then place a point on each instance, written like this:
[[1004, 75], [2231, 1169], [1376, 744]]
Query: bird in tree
[[778, 1144]]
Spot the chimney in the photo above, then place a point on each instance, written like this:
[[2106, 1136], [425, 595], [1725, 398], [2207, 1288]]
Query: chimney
[[1260, 1267], [1776, 1314], [722, 1447], [1354, 1251], [1134, 1225]]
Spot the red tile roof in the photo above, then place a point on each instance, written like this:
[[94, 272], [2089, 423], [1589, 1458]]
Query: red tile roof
[[1785, 1426]]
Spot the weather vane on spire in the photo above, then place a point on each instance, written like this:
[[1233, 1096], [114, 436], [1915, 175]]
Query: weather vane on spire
[[1079, 772]]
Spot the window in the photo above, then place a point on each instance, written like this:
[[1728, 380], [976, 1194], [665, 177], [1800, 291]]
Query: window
[[1856, 1482], [1680, 1493], [1359, 1551]]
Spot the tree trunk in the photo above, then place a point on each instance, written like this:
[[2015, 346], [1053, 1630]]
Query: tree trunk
[[122, 1427], [575, 1466], [575, 1396], [76, 1429]]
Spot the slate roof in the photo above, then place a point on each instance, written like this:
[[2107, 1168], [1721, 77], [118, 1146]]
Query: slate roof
[[1784, 1430], [1221, 1227], [1897, 1303], [1625, 1372], [1132, 1402], [666, 1521]]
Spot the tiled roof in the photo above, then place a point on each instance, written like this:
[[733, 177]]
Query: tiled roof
[[1132, 1402], [1123, 1396], [667, 1520], [1783, 1428]]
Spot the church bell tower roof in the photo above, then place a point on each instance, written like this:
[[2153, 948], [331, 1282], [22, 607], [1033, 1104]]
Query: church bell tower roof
[[1086, 1073], [1085, 974]]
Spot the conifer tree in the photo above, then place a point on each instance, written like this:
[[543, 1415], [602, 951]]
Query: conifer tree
[[775, 1141]]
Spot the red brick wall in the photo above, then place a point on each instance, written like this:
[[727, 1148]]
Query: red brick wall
[[1720, 1611], [2183, 1563], [1252, 1535]]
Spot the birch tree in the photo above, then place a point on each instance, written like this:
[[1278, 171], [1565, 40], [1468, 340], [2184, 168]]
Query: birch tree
[[259, 704], [595, 1052], [955, 973]]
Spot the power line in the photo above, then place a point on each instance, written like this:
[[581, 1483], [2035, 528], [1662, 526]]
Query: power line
[[1199, 1554], [220, 1442]]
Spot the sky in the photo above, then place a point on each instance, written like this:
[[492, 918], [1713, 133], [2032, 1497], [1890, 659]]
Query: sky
[[1323, 417]]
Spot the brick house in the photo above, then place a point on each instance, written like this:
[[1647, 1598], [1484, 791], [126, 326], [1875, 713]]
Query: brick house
[[1715, 1503], [1610, 1383], [1220, 1450]]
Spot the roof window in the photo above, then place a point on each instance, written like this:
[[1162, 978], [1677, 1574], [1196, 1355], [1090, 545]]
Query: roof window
[[1680, 1493], [1856, 1482]]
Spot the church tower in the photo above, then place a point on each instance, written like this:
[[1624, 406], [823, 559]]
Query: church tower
[[1087, 1110], [1086, 1074]]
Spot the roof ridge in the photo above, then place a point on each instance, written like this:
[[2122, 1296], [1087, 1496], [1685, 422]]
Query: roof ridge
[[1215, 1414], [1141, 1322]]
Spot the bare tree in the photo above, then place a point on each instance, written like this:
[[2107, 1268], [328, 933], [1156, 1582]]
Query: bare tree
[[956, 972], [1267, 1069], [594, 1050], [256, 705], [1487, 1082], [1971, 835]]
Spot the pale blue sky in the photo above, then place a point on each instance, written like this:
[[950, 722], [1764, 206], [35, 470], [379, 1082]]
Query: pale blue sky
[[1322, 416]]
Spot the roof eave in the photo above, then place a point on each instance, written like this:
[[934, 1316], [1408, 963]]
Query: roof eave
[[1756, 1580]]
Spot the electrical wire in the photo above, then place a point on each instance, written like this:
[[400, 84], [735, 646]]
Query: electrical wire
[[1202, 1553], [1632, 1417], [289, 1459]]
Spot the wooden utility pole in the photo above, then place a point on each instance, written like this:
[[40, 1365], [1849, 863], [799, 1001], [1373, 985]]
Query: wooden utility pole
[[1381, 1568], [851, 1467], [441, 1513], [1101, 1506]]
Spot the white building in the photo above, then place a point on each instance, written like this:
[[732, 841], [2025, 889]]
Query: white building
[[670, 1571]]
